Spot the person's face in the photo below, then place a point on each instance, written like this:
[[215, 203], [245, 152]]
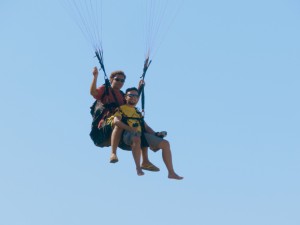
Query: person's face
[[118, 81], [132, 98]]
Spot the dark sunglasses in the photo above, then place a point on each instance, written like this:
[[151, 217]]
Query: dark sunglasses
[[133, 95], [120, 80]]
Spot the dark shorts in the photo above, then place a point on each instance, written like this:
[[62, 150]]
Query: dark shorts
[[152, 139], [128, 136]]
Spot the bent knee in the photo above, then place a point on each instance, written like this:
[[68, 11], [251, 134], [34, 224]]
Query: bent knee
[[164, 144], [118, 129]]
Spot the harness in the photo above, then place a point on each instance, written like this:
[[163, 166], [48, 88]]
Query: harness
[[110, 106], [100, 111], [125, 119]]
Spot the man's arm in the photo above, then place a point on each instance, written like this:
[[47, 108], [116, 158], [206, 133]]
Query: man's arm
[[149, 129], [119, 123], [93, 88]]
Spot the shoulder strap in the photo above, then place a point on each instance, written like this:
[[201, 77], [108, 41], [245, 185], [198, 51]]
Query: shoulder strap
[[115, 97], [106, 93], [141, 120], [126, 118]]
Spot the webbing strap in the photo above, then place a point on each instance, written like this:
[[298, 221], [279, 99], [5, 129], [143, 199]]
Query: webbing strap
[[115, 97], [141, 90], [126, 118], [99, 55]]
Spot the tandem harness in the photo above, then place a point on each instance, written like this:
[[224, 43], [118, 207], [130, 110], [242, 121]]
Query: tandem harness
[[141, 121], [100, 130]]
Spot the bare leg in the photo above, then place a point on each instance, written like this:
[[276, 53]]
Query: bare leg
[[115, 140], [146, 164], [145, 155], [167, 157], [136, 153]]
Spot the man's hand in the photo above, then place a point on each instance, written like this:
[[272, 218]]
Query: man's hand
[[141, 85], [142, 82], [93, 88], [95, 71], [161, 134]]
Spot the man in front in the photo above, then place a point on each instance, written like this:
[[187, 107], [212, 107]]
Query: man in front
[[137, 131]]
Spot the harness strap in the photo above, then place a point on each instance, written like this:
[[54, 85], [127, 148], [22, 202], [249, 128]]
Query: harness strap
[[115, 97], [141, 90], [126, 118], [110, 105]]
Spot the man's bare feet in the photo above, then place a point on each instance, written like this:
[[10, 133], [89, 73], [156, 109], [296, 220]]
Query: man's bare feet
[[113, 158], [140, 172], [174, 176]]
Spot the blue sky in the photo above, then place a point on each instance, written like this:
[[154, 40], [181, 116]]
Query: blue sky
[[224, 84]]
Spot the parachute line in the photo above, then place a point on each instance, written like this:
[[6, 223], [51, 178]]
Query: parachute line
[[159, 17], [87, 15]]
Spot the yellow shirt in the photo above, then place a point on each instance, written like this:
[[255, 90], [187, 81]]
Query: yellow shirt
[[130, 112]]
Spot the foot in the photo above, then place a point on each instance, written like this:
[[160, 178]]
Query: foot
[[113, 158], [174, 176], [140, 172], [149, 166]]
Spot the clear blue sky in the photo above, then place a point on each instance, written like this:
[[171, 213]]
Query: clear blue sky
[[224, 84]]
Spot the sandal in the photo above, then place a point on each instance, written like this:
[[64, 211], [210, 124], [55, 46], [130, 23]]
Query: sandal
[[113, 158], [150, 167]]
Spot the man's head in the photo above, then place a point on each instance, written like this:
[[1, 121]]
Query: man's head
[[132, 96], [117, 79]]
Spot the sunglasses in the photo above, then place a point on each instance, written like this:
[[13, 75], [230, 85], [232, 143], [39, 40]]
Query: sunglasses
[[133, 95], [119, 80]]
